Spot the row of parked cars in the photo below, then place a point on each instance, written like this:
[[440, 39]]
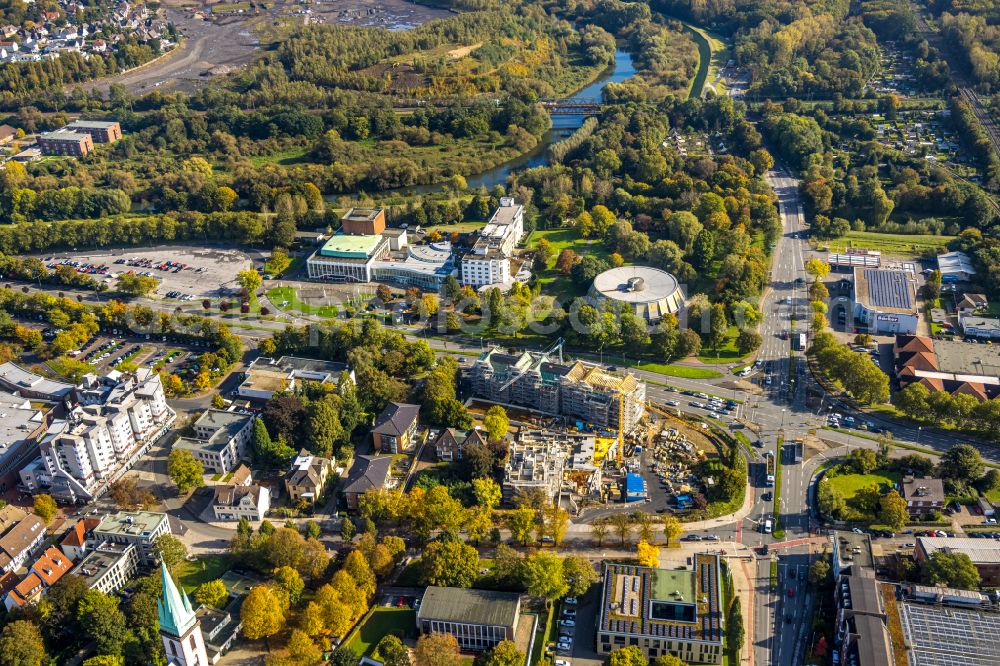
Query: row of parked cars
[[80, 266], [567, 629], [166, 266], [180, 295]]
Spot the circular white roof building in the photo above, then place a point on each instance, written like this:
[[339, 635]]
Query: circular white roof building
[[649, 292]]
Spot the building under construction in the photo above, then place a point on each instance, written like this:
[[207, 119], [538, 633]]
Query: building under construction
[[572, 390]]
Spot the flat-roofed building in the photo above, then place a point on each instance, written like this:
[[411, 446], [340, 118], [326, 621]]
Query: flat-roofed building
[[139, 528], [363, 221], [220, 439], [886, 300], [20, 429], [347, 258], [27, 384], [63, 142], [108, 567], [267, 376], [100, 131], [942, 626], [851, 552], [662, 611], [478, 619], [984, 328]]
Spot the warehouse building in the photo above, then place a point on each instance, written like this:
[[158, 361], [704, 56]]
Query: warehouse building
[[478, 619]]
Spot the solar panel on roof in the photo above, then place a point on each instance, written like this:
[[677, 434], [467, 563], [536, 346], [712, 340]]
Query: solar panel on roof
[[888, 289]]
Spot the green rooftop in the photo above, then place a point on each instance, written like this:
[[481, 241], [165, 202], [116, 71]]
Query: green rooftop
[[348, 246], [666, 584]]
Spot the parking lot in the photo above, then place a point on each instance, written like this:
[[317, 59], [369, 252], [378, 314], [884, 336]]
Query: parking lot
[[186, 272]]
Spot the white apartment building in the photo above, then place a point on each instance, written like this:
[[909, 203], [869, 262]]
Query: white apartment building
[[489, 260], [139, 528], [220, 440], [479, 270], [109, 567], [117, 420]]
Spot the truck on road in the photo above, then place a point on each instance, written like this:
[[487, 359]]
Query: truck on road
[[769, 459]]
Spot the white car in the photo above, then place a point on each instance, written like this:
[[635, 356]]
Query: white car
[[570, 600], [567, 623], [564, 647], [673, 403], [569, 613], [562, 662]]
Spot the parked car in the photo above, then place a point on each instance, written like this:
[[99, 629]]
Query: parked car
[[567, 623]]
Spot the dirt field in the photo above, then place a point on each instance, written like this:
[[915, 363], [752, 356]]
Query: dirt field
[[217, 277], [209, 49], [391, 14], [215, 48]]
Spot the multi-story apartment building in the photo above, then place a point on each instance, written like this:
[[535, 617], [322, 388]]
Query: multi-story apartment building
[[489, 260], [109, 566], [139, 528], [576, 390], [63, 142], [220, 439], [100, 131], [118, 417], [660, 611]]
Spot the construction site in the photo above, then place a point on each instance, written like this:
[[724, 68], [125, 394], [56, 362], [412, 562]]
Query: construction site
[[589, 437]]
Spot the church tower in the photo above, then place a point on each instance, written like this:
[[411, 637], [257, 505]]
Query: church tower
[[180, 628]]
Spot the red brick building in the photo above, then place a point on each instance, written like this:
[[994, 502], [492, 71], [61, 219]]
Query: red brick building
[[64, 142], [99, 130]]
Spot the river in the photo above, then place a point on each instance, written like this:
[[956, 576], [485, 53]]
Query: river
[[562, 126]]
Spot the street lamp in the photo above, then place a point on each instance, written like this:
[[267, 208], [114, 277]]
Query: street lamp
[[783, 410], [919, 428]]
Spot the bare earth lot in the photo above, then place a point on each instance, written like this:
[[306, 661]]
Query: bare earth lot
[[218, 277], [209, 49], [218, 47]]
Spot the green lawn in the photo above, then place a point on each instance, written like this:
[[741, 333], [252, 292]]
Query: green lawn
[[459, 227], [850, 484], [553, 282], [381, 622], [279, 295], [673, 370], [899, 244], [725, 354], [205, 568], [993, 495]]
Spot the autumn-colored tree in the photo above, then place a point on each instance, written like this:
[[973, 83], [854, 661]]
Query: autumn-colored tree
[[648, 555], [262, 614], [437, 650]]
